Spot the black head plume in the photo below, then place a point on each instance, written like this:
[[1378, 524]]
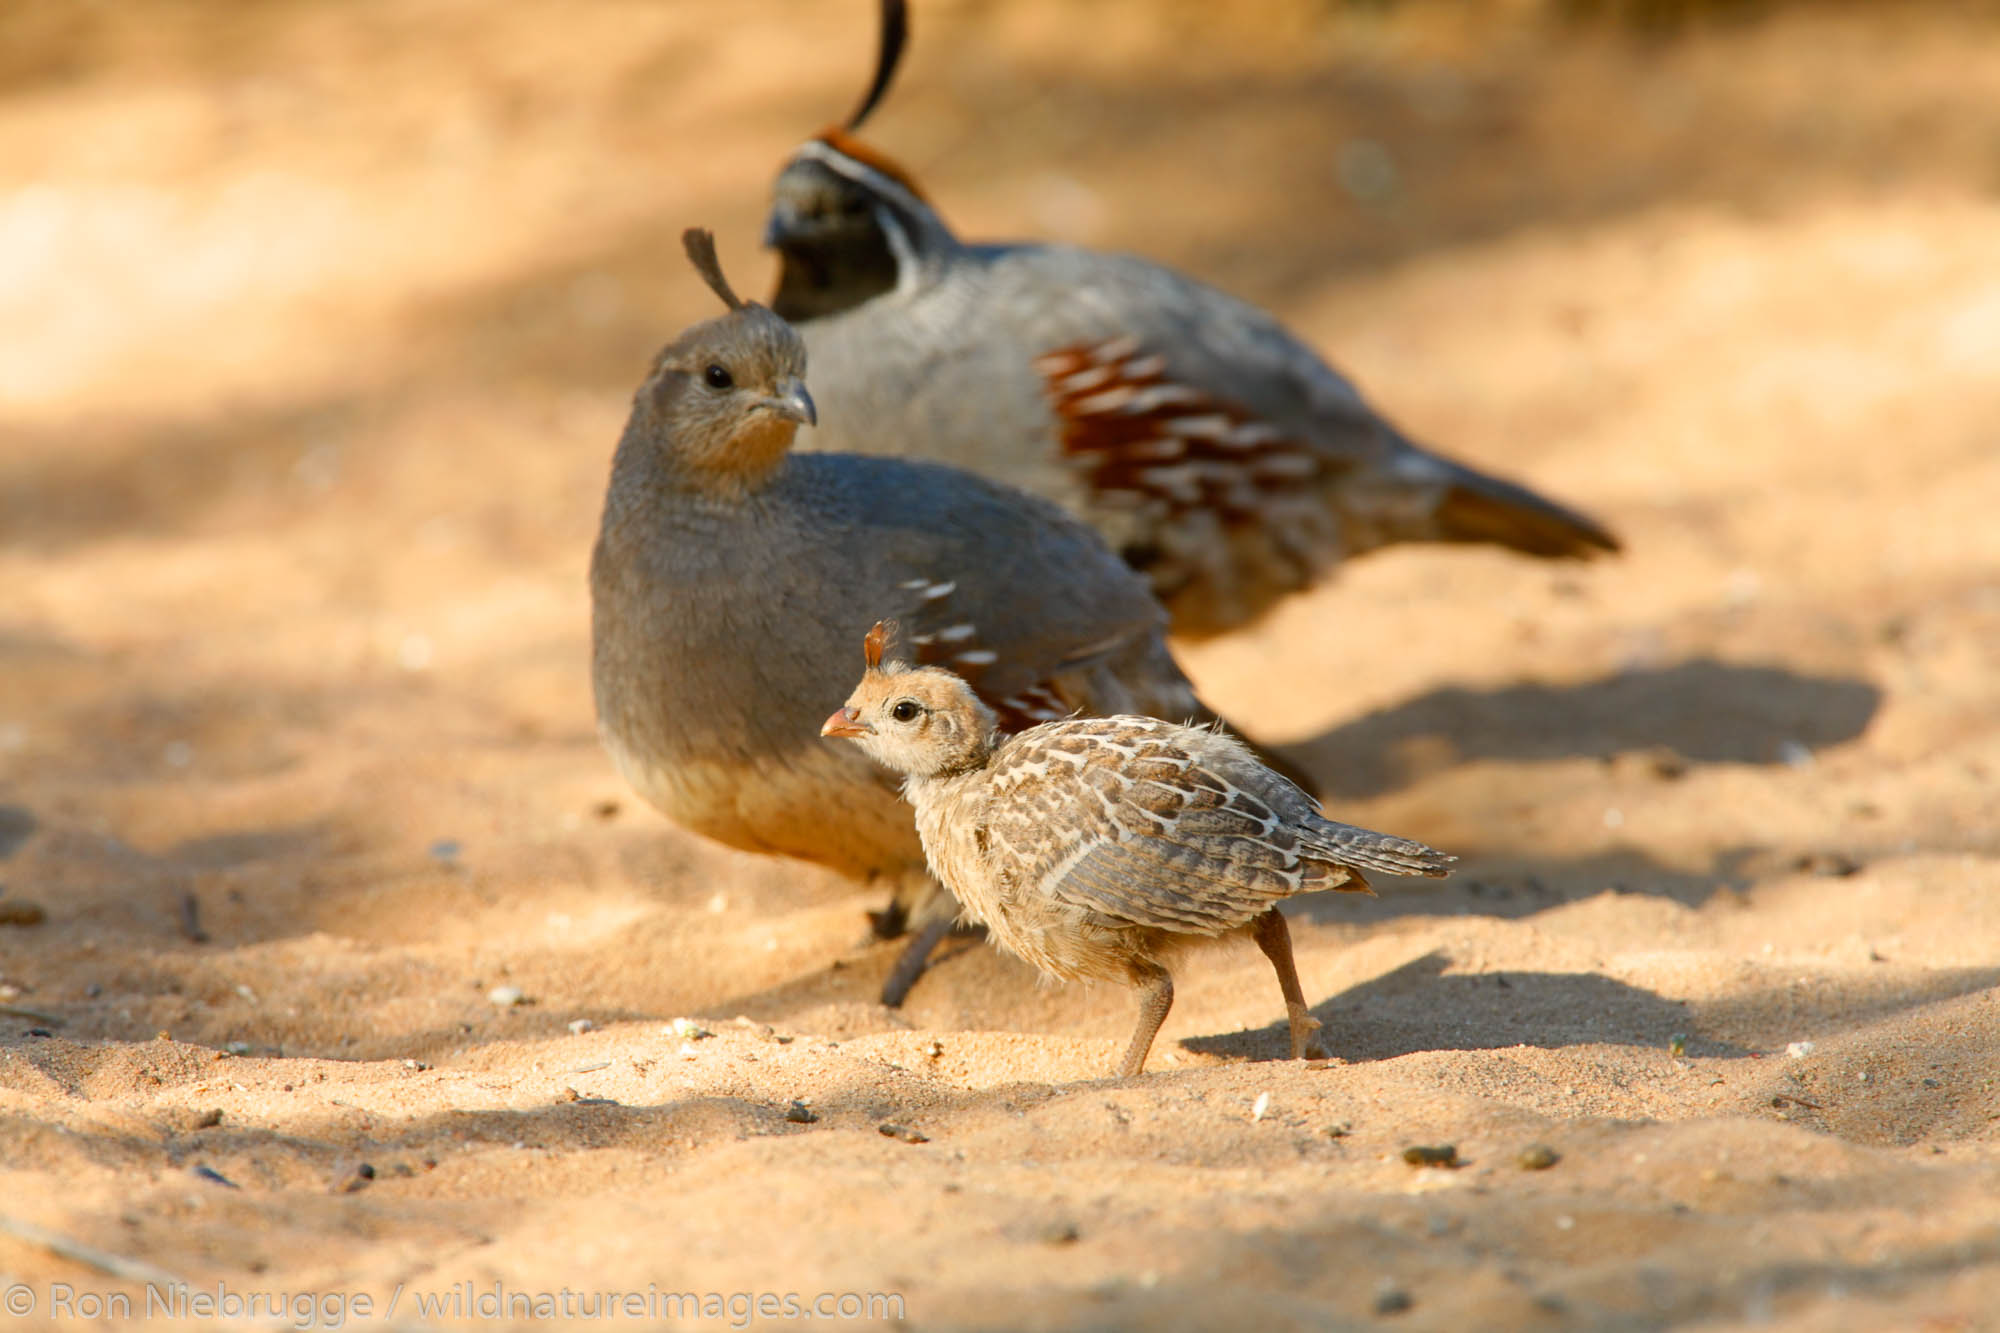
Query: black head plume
[[895, 32], [700, 244]]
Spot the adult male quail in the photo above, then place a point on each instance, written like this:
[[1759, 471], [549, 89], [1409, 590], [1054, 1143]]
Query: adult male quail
[[1101, 847], [1215, 451], [731, 578]]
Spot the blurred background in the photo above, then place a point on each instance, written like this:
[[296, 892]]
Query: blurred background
[[318, 322]]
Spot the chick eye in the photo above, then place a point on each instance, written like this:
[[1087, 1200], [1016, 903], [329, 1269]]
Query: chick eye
[[905, 710], [717, 377]]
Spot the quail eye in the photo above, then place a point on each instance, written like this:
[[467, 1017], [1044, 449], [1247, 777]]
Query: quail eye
[[717, 377], [905, 710]]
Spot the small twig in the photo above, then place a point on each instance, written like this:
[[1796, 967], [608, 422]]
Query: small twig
[[111, 1265], [191, 918], [32, 1015]]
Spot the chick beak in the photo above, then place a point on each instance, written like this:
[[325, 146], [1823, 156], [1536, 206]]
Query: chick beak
[[793, 403], [845, 722]]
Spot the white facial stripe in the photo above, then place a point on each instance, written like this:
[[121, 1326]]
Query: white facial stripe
[[885, 188], [861, 174]]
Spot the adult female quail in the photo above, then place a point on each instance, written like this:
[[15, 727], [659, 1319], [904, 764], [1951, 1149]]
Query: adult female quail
[[731, 578]]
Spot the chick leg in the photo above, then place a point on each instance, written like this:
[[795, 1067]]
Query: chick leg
[[1156, 996], [1275, 939]]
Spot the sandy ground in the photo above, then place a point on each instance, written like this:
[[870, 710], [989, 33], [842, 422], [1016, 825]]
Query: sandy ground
[[320, 321]]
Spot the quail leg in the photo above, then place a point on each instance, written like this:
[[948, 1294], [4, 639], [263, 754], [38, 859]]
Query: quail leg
[[1275, 939], [1156, 996], [911, 961]]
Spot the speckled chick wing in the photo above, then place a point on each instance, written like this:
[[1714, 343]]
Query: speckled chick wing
[[1086, 844], [1086, 840]]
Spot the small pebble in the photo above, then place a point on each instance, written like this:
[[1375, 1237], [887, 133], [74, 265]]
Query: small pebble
[[21, 912], [1537, 1157], [354, 1179], [1440, 1155], [40, 1032], [903, 1133], [579, 1026], [1061, 1233], [238, 1048], [1828, 865], [1260, 1106], [416, 1066], [445, 849], [209, 1119], [1340, 1130], [1677, 1045], [1799, 1050], [801, 1114], [1393, 1300], [605, 809], [212, 1176], [1795, 754], [689, 1030], [505, 997], [568, 1095]]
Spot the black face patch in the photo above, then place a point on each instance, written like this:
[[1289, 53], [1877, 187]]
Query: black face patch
[[833, 250]]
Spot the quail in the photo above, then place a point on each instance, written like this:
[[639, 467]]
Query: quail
[[731, 578], [1220, 455], [1102, 847]]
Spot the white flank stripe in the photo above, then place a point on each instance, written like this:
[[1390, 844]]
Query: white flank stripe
[[1088, 378], [1115, 350], [1157, 396], [1110, 400], [1253, 434]]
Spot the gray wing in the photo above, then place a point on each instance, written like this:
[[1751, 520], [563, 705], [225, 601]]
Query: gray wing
[[1009, 591], [1153, 825]]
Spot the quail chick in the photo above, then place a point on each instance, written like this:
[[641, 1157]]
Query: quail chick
[[731, 579], [1220, 455], [1101, 847]]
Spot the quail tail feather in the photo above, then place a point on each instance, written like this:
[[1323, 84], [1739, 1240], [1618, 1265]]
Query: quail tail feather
[[1479, 508], [1363, 849]]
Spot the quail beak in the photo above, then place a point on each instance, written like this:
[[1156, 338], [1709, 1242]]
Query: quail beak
[[793, 403], [845, 722], [783, 224]]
